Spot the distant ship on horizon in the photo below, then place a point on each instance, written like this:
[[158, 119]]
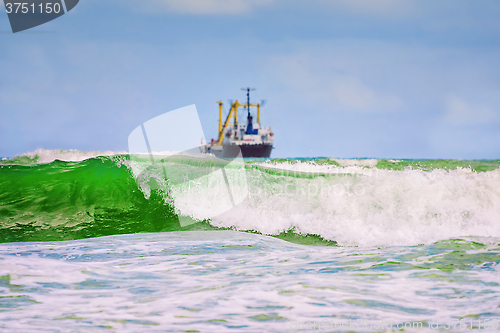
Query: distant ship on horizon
[[250, 138]]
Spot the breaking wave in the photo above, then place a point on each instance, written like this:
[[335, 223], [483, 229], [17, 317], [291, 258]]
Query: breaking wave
[[60, 195]]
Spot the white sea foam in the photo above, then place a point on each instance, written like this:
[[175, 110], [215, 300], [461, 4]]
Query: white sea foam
[[71, 155], [369, 162], [224, 281], [74, 155], [384, 208], [347, 166]]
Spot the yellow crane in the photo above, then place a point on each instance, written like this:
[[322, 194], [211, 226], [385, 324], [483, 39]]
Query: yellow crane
[[233, 114]]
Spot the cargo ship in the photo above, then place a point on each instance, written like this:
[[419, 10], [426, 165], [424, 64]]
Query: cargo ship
[[247, 137]]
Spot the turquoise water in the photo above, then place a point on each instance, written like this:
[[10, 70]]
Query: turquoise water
[[360, 245]]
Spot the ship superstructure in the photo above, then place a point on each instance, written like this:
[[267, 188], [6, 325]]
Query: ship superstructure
[[246, 136]]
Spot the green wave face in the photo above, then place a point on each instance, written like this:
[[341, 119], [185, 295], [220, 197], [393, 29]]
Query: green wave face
[[73, 200]]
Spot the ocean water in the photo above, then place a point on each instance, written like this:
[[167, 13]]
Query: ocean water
[[324, 244]]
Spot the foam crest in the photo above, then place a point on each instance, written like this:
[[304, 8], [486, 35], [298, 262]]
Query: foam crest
[[72, 155], [387, 208], [369, 162], [313, 168]]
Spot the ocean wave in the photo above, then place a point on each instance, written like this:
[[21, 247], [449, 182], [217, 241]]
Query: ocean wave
[[350, 204]]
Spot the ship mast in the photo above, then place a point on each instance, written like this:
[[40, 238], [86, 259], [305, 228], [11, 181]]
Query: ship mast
[[248, 97]]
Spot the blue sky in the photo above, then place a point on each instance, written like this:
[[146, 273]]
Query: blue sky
[[342, 78]]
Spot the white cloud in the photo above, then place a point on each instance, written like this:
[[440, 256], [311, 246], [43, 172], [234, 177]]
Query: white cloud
[[354, 94], [315, 82], [367, 8], [460, 112], [204, 7], [377, 8]]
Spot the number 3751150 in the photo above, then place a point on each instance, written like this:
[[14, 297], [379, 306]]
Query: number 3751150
[[25, 8]]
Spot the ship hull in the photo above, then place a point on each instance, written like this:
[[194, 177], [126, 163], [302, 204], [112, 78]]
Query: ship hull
[[256, 150]]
